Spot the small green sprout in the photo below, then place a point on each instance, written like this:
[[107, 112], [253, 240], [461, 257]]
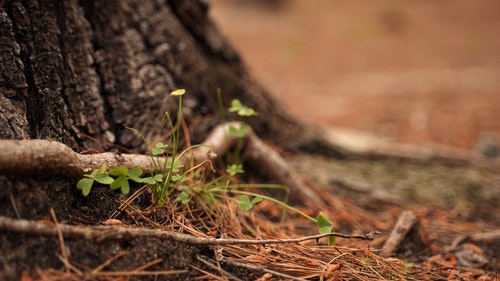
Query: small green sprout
[[325, 226], [241, 109], [123, 174], [240, 132], [184, 197], [234, 169], [408, 265], [99, 175], [158, 149], [153, 179], [245, 204]]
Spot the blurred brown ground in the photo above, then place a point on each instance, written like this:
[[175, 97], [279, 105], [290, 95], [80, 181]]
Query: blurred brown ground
[[412, 71]]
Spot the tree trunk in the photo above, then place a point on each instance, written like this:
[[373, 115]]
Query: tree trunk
[[73, 69], [83, 72]]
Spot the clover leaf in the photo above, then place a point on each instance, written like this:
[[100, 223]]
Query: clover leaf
[[245, 204], [325, 226], [99, 175], [241, 109]]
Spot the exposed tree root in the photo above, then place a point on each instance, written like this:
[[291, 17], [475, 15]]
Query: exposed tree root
[[359, 144], [51, 158]]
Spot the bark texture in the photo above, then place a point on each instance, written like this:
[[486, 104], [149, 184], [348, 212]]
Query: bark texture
[[72, 69]]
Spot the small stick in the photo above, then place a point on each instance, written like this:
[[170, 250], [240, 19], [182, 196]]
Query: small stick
[[263, 270], [103, 233], [405, 222], [217, 268], [64, 252]]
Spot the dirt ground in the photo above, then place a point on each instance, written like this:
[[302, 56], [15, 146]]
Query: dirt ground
[[414, 72]]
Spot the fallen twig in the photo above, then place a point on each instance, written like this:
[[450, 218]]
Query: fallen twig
[[103, 233], [263, 270], [214, 267], [405, 222]]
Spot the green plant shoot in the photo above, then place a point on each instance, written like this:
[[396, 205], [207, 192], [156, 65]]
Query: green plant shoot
[[245, 204], [123, 174], [241, 109], [325, 226], [99, 175]]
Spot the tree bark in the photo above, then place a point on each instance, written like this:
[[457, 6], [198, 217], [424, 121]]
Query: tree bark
[[74, 69]]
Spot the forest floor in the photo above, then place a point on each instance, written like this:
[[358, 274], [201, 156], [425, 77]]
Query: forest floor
[[425, 74], [419, 73]]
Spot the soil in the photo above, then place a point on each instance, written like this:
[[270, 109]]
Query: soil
[[419, 72]]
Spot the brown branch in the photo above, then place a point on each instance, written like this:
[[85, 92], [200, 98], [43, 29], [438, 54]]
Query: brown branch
[[104, 233], [405, 222]]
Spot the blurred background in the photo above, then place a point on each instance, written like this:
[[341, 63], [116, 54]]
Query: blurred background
[[419, 72]]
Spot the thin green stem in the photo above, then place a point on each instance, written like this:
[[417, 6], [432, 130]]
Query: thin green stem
[[284, 205]]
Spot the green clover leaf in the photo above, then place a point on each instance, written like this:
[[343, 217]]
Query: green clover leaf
[[325, 226], [158, 149], [234, 169], [241, 110], [238, 132], [99, 175], [245, 204]]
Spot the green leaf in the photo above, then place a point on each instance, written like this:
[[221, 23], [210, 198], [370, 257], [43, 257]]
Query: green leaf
[[125, 187], [240, 132], [149, 180], [93, 175], [234, 169], [85, 185], [100, 175], [184, 197], [256, 200], [101, 170], [325, 226], [119, 171], [244, 203], [235, 105], [158, 149], [153, 180], [122, 183], [176, 167], [117, 182], [178, 178], [178, 92], [135, 174], [240, 109], [408, 265], [104, 179], [247, 112]]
